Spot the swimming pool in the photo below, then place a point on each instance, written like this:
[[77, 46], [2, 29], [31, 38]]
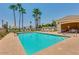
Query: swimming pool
[[34, 42]]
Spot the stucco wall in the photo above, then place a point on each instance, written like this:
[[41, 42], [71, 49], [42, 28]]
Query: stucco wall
[[65, 21]]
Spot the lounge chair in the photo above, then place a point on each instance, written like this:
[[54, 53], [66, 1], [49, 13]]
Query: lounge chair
[[72, 31]]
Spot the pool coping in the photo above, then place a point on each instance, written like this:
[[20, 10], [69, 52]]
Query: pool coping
[[46, 33], [21, 45], [54, 34]]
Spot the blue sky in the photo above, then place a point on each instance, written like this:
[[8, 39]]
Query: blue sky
[[49, 11]]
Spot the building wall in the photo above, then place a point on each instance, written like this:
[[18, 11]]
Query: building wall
[[63, 23]]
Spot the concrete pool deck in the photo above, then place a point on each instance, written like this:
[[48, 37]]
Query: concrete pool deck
[[10, 45], [69, 46]]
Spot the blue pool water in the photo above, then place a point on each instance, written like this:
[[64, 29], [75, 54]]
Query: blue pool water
[[34, 42]]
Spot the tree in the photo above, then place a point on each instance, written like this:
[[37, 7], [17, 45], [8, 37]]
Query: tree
[[23, 11], [5, 26], [53, 23], [19, 9], [14, 8], [40, 26], [36, 15], [30, 25], [2, 23]]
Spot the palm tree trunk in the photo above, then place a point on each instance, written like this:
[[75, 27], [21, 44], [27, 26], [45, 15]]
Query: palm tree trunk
[[14, 19], [2, 23], [39, 24], [19, 20], [36, 24], [22, 21]]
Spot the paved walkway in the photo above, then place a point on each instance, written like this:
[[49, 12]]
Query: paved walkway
[[69, 46], [10, 45]]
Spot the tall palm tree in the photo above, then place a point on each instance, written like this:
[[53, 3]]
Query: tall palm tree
[[36, 15], [19, 9], [14, 8], [2, 23], [30, 25], [23, 11]]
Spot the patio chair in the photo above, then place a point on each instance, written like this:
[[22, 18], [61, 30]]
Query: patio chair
[[72, 30]]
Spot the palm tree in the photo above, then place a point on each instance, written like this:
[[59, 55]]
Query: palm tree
[[5, 26], [30, 25], [19, 9], [14, 8], [36, 15], [2, 23], [23, 11]]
